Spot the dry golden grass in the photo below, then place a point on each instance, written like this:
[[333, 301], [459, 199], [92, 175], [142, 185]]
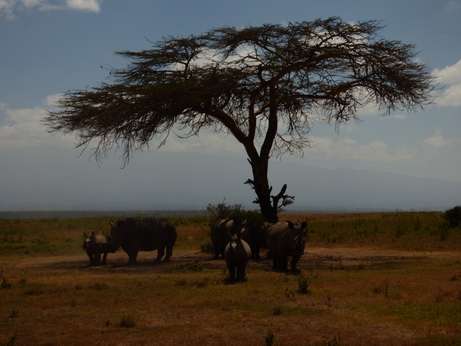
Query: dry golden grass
[[372, 294]]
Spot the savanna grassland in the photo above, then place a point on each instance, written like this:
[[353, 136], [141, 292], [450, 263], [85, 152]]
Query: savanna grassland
[[367, 279]]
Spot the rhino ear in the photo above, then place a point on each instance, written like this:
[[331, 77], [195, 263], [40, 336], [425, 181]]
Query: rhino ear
[[84, 235], [304, 225], [291, 224]]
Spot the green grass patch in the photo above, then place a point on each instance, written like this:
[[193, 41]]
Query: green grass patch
[[435, 313]]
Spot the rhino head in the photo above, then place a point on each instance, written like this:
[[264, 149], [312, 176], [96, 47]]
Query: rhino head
[[115, 237], [298, 237], [88, 240]]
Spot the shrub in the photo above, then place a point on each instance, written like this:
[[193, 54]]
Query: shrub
[[453, 216], [277, 311], [303, 283], [223, 211], [269, 338], [127, 322], [6, 284]]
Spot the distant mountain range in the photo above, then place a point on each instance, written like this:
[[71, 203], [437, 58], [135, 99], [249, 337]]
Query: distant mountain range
[[172, 181], [352, 189]]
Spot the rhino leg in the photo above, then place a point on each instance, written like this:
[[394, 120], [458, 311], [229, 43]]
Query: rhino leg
[[241, 276], [104, 257], [279, 263], [256, 250], [283, 264], [231, 268], [132, 257], [90, 257], [95, 259], [160, 253], [274, 262], [169, 252], [222, 248], [294, 261]]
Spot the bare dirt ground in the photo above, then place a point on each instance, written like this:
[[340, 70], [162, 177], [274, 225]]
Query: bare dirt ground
[[359, 296], [338, 257]]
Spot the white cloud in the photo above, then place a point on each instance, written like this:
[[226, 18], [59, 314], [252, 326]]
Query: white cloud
[[451, 96], [450, 77], [453, 6], [9, 8], [450, 74], [350, 149], [85, 5], [23, 128], [437, 141]]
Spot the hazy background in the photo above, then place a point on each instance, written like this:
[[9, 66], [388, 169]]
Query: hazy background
[[403, 161]]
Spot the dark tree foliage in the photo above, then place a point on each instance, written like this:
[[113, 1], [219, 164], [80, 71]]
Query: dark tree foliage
[[264, 85]]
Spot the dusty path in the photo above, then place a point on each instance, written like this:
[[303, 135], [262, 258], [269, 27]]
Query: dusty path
[[345, 257]]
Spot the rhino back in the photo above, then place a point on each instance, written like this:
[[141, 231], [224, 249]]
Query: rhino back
[[146, 234], [278, 237]]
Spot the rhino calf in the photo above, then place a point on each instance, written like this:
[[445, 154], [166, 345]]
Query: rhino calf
[[284, 239], [96, 245], [237, 254]]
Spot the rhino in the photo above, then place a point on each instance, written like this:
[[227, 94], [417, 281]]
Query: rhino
[[96, 245], [284, 239], [257, 238], [147, 234], [237, 254], [221, 231]]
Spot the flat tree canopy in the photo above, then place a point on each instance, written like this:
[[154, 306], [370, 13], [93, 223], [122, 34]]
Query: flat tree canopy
[[264, 85]]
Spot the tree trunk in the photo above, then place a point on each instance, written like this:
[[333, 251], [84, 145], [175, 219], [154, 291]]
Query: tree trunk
[[263, 191]]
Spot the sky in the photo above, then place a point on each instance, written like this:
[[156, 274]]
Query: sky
[[48, 47]]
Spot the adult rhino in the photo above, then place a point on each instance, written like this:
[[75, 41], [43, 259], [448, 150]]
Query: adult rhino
[[237, 254], [96, 245], [147, 234], [284, 239], [257, 237], [221, 233]]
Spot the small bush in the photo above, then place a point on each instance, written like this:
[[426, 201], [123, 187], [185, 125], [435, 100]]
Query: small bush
[[269, 338], [277, 311], [127, 322], [99, 287], [332, 342], [304, 283], [12, 341], [6, 284]]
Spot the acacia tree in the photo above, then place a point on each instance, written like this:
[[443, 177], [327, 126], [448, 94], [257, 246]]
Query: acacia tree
[[264, 85]]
